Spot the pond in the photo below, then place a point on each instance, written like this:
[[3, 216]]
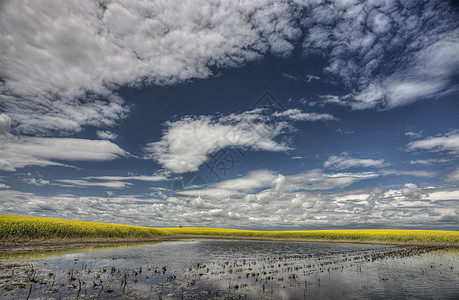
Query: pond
[[229, 269]]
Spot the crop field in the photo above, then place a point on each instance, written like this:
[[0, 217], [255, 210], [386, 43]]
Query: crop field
[[390, 235], [12, 226]]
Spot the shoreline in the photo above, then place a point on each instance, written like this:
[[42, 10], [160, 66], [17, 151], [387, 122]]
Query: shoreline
[[52, 244]]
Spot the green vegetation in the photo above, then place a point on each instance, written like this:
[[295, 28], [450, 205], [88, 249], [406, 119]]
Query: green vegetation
[[19, 227]]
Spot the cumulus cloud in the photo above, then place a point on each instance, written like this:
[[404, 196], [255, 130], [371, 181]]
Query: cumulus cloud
[[6, 166], [448, 143], [413, 135], [65, 116], [61, 64], [266, 182], [266, 208], [106, 135], [186, 143], [38, 151], [344, 161], [411, 191], [37, 182], [388, 53]]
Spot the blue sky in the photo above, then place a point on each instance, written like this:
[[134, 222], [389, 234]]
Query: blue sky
[[260, 114]]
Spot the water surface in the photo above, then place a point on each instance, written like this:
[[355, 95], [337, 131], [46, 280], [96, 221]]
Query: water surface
[[203, 269]]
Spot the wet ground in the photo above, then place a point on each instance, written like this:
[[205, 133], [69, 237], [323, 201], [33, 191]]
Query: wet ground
[[222, 269]]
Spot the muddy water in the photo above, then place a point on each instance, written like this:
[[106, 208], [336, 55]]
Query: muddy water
[[218, 269]]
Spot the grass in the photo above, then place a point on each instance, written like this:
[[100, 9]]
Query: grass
[[22, 228]]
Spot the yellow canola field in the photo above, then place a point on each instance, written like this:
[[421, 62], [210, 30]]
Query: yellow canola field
[[12, 226], [354, 234]]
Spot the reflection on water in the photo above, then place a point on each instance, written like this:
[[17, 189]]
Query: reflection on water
[[203, 269], [42, 254]]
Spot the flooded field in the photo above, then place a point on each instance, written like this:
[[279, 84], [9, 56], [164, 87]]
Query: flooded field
[[223, 269]]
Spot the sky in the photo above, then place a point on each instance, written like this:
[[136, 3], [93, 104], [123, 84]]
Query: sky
[[239, 114]]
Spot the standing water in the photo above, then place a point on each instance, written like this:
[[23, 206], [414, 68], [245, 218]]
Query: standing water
[[223, 269]]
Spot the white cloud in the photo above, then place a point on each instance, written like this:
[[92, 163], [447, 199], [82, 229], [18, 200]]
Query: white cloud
[[186, 143], [254, 180], [61, 61], [448, 142], [265, 183], [439, 194], [5, 124], [270, 207], [329, 99], [213, 193], [429, 73], [38, 151], [295, 78], [388, 54], [6, 166], [43, 116], [310, 180], [416, 173], [54, 54], [152, 178], [344, 161], [411, 191], [37, 182], [310, 78], [85, 183], [429, 161], [296, 114], [317, 180], [413, 135], [4, 186], [106, 135], [453, 176]]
